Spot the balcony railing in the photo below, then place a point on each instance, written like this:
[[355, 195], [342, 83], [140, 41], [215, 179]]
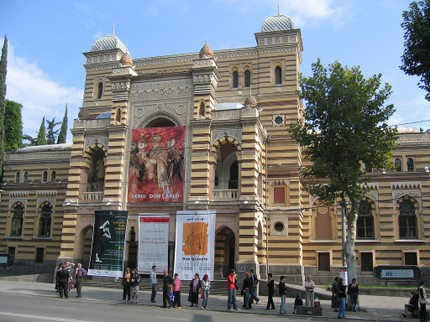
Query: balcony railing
[[225, 194], [92, 196]]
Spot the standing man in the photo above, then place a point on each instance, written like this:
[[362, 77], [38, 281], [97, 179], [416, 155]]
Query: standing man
[[153, 282], [79, 276], [62, 279], [254, 296], [232, 287], [309, 291], [167, 287], [422, 299]]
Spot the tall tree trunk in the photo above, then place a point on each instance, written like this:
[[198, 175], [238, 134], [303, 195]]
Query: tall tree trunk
[[351, 259]]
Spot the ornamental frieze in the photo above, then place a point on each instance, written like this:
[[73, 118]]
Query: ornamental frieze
[[50, 200], [161, 90], [176, 111], [230, 132], [227, 114], [92, 139]]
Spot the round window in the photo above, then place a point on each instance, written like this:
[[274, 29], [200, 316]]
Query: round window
[[279, 226]]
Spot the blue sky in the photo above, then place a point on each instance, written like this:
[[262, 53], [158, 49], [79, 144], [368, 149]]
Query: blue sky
[[47, 39]]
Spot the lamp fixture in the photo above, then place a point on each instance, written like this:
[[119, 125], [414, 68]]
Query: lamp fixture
[[427, 169], [109, 202], [197, 202], [67, 202]]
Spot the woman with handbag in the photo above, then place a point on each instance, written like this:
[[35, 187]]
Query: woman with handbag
[[195, 286], [206, 285]]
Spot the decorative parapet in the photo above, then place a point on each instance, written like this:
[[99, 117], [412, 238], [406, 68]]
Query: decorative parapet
[[91, 124]]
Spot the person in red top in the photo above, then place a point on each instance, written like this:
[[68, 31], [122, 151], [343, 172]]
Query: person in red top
[[232, 287], [176, 287]]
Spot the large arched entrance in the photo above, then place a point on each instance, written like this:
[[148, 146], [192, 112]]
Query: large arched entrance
[[225, 251]]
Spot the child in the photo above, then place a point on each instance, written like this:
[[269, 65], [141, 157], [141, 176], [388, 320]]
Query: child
[[297, 302]]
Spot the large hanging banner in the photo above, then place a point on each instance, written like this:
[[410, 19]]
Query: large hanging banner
[[153, 242], [156, 172], [107, 250], [195, 243]]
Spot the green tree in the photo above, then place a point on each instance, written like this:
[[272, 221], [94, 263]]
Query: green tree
[[51, 131], [416, 54], [28, 140], [41, 135], [3, 72], [62, 137], [13, 126], [343, 130]]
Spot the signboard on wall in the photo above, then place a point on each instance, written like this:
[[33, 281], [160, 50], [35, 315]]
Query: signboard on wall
[[107, 250], [153, 242], [156, 172], [397, 272], [195, 243]]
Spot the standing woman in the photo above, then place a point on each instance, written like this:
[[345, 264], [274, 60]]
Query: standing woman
[[206, 285], [422, 299], [353, 294], [271, 292], [335, 295], [195, 286], [134, 286], [342, 298], [283, 295], [176, 288], [126, 284]]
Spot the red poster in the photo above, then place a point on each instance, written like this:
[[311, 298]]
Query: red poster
[[157, 165]]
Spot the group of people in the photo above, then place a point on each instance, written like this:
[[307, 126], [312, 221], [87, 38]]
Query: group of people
[[417, 297], [339, 294], [64, 279]]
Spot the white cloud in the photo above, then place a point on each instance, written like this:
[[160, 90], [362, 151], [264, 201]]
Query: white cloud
[[40, 96]]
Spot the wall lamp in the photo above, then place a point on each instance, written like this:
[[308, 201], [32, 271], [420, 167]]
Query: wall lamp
[[427, 169], [109, 202]]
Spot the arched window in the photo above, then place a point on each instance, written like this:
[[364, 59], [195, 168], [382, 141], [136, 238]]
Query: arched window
[[25, 177], [278, 75], [53, 176], [397, 164], [247, 78], [17, 177], [410, 164], [407, 220], [17, 220], [365, 226], [100, 90], [235, 79], [202, 109], [45, 176], [118, 115], [45, 221]]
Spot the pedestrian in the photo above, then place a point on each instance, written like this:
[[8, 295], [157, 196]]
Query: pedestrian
[[246, 291], [335, 295], [126, 284], [153, 283], [422, 299], [134, 286], [167, 288], [58, 268], [255, 281], [62, 279], [79, 276], [69, 267], [297, 302], [270, 292], [232, 287], [282, 295], [176, 287], [206, 285], [309, 291], [353, 292], [195, 286], [342, 298]]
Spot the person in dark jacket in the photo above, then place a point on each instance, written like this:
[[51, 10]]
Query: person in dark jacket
[[246, 290], [342, 298], [195, 286], [353, 294], [283, 295], [62, 279], [271, 292], [335, 295]]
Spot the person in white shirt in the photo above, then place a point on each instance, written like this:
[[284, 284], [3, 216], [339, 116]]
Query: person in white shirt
[[153, 282], [309, 291]]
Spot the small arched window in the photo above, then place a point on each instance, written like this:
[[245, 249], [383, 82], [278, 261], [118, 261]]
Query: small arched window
[[407, 220], [45, 221], [17, 220], [247, 78], [53, 176], [17, 177], [278, 75], [118, 115], [235, 79], [397, 164], [25, 177], [99, 90], [410, 164], [45, 176], [202, 109]]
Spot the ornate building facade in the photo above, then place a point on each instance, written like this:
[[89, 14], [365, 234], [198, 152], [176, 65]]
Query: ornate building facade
[[233, 155]]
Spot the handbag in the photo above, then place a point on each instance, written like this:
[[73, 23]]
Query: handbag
[[190, 297], [202, 296]]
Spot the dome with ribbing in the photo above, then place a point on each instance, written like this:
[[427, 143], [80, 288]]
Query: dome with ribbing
[[277, 23], [206, 52], [126, 60], [251, 101], [108, 43]]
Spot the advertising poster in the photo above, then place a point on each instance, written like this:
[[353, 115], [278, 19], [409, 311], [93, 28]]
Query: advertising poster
[[107, 251], [153, 242], [156, 172], [195, 243]]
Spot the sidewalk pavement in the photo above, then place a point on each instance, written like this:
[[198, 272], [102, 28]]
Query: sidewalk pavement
[[373, 308]]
